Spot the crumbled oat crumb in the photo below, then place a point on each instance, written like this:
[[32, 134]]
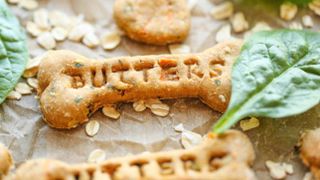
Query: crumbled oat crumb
[[249, 124]]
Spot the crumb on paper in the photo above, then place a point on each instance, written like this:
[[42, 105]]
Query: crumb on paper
[[96, 156], [239, 22], [295, 25], [190, 139], [279, 170], [179, 49], [307, 21], [224, 33], [179, 127], [249, 124], [223, 10]]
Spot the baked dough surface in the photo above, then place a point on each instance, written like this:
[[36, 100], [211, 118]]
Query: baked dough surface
[[157, 22]]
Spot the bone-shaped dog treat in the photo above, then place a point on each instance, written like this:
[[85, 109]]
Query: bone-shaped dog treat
[[71, 87], [6, 161], [310, 151], [227, 156]]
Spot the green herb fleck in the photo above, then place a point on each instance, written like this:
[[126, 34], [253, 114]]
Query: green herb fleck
[[78, 99], [217, 82], [78, 65]]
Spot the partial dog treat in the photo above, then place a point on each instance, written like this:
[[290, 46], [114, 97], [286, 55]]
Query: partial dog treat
[[6, 161], [158, 22], [310, 148], [224, 157], [72, 87]]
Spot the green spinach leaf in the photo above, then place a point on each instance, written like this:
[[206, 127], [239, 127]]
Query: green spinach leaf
[[13, 51], [276, 75]]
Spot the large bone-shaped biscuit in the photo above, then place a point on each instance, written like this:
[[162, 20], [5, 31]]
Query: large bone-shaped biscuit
[[225, 157], [71, 87]]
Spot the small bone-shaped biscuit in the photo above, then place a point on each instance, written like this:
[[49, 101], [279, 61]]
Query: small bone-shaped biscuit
[[227, 156], [72, 87], [310, 151], [6, 161]]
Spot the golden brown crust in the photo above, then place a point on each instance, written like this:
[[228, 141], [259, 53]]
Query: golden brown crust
[[6, 161], [153, 22], [225, 157], [310, 151], [71, 87]]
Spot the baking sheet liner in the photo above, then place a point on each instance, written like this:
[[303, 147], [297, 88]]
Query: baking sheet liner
[[27, 136]]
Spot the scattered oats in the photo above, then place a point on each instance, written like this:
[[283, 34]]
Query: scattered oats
[[23, 88], [41, 19], [223, 10], [308, 176], [92, 128], [33, 82], [139, 106], [90, 40], [315, 6], [307, 21], [28, 4], [157, 107], [261, 26], [14, 95], [96, 156], [110, 112], [160, 109], [179, 49], [150, 102], [13, 1], [190, 139], [33, 29], [179, 127], [296, 25], [59, 19], [249, 124], [288, 10], [224, 33], [279, 170], [32, 66], [78, 32], [75, 20], [239, 22], [46, 41], [192, 4], [222, 98], [59, 33], [110, 40]]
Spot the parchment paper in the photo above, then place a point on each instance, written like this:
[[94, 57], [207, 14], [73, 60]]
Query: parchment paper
[[27, 136]]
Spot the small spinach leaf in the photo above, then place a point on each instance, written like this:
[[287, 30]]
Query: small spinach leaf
[[13, 51], [276, 75]]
